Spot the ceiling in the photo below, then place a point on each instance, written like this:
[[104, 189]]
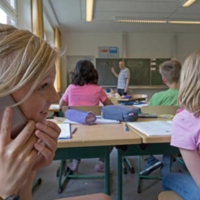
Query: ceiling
[[71, 15]]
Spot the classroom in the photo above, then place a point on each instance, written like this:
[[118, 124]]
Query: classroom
[[142, 33]]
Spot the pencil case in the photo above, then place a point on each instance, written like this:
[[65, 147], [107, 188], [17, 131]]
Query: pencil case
[[82, 117], [121, 113]]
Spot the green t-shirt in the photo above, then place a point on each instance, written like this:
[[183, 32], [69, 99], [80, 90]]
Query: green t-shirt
[[164, 98]]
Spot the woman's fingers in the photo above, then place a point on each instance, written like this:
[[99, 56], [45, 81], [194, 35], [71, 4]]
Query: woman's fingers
[[25, 134], [50, 129], [6, 127], [50, 142], [54, 126], [29, 145]]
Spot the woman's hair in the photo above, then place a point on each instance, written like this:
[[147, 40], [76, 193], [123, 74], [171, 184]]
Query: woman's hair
[[24, 57], [84, 73], [189, 92], [170, 70]]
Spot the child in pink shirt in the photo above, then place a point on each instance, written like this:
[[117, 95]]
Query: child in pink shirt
[[186, 131], [84, 91]]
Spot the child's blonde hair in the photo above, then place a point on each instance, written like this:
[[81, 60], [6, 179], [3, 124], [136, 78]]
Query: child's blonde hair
[[24, 57], [170, 70], [189, 93]]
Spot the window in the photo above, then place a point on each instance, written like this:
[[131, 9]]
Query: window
[[12, 3], [4, 18], [8, 14]]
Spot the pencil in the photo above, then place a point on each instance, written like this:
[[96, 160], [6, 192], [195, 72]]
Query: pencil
[[74, 130]]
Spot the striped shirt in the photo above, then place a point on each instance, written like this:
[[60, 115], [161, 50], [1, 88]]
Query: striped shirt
[[122, 77]]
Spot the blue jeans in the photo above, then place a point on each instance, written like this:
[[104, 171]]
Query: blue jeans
[[182, 184]]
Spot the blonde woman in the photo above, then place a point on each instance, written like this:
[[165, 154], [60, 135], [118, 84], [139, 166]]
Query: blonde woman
[[186, 131], [27, 72]]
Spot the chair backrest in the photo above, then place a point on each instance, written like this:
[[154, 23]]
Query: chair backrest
[[95, 109], [169, 195], [171, 110], [99, 196], [140, 96]]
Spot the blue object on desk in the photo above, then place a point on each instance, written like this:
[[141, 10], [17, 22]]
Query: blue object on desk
[[127, 103], [125, 127], [127, 97], [138, 103]]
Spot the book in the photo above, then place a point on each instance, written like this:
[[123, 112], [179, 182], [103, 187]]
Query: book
[[65, 131], [153, 128]]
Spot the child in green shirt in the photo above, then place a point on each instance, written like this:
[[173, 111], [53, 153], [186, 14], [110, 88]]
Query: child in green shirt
[[170, 72]]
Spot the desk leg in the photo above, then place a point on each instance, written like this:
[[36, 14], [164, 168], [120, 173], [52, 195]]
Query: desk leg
[[107, 171], [119, 174], [60, 177]]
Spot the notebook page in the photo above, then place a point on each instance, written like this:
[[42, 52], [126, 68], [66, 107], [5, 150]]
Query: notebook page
[[153, 128], [65, 131]]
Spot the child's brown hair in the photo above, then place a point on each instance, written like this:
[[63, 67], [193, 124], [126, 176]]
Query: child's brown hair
[[170, 70]]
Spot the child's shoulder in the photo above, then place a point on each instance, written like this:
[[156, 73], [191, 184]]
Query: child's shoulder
[[185, 117]]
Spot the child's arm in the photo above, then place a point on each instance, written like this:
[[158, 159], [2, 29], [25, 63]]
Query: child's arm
[[192, 161], [62, 103]]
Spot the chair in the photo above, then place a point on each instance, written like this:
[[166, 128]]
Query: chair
[[171, 110], [169, 195], [99, 196], [140, 97]]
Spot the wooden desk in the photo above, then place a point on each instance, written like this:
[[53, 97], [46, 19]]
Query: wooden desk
[[93, 142], [100, 135], [116, 101], [153, 145], [152, 139]]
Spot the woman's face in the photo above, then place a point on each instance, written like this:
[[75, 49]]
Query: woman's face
[[37, 105]]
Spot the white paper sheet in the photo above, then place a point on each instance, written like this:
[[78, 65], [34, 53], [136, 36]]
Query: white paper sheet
[[153, 128], [65, 131]]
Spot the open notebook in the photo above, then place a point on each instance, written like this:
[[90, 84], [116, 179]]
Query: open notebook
[[65, 131], [153, 128]]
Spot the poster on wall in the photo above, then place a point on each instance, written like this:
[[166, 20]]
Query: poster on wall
[[108, 52]]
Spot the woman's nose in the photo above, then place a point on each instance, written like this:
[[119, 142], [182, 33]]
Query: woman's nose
[[54, 97]]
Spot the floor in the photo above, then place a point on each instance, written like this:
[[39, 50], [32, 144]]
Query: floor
[[48, 190]]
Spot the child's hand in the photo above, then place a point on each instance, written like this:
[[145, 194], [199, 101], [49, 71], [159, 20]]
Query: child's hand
[[16, 156], [48, 135]]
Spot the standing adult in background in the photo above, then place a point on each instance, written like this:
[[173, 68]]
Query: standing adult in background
[[123, 78]]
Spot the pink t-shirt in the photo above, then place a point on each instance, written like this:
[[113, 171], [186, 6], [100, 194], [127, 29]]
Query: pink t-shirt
[[86, 95], [186, 131]]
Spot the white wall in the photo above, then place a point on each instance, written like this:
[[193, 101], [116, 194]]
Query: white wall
[[138, 45]]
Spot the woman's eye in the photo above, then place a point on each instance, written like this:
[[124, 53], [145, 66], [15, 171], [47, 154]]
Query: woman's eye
[[44, 86]]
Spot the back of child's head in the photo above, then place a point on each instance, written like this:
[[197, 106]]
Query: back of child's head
[[84, 73], [170, 70], [189, 92]]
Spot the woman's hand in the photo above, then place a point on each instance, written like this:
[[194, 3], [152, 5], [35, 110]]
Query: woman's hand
[[46, 146], [17, 156]]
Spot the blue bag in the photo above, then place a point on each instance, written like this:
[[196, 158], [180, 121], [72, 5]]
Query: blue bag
[[82, 117], [121, 113]]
